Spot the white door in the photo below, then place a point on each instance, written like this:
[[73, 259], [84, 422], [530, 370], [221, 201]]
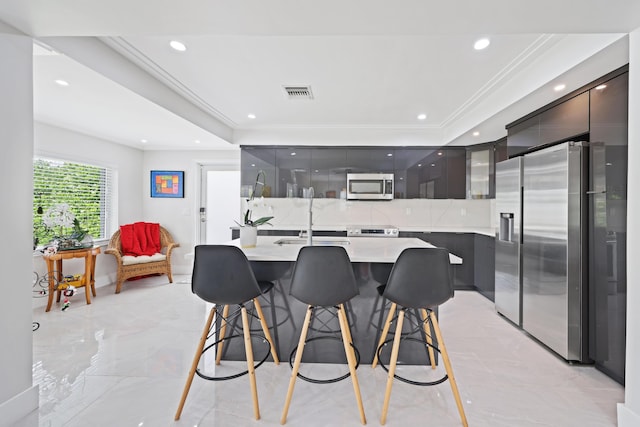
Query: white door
[[219, 204]]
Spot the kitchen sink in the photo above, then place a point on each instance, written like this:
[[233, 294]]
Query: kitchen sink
[[317, 241]]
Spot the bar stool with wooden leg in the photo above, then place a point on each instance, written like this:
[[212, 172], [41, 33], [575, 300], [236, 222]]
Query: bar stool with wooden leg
[[323, 279], [420, 281], [222, 276]]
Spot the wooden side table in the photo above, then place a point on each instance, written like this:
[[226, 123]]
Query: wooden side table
[[54, 270]]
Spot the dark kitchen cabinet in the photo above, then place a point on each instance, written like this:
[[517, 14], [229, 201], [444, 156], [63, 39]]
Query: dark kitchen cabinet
[[608, 229], [411, 167], [565, 120], [328, 171], [433, 173], [456, 180], [293, 171], [485, 265], [370, 160], [460, 244], [253, 160], [522, 136]]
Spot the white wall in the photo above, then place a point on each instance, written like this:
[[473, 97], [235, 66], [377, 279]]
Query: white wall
[[180, 216], [629, 412], [18, 396]]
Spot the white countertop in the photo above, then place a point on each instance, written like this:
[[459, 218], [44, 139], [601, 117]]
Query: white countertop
[[359, 249]]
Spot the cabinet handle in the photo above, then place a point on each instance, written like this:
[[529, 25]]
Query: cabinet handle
[[597, 192]]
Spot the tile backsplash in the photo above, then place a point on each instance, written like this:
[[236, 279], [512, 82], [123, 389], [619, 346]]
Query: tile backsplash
[[403, 213]]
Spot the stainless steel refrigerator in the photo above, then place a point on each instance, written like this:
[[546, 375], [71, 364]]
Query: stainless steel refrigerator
[[508, 280], [541, 280]]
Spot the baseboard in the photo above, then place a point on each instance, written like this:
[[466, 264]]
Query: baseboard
[[626, 417], [19, 406]]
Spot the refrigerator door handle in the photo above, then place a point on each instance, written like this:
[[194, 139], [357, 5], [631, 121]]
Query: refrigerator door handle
[[597, 192]]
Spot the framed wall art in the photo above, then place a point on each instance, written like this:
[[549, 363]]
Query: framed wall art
[[167, 184]]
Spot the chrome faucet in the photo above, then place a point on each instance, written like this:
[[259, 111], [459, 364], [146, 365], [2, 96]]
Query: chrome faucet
[[310, 223]]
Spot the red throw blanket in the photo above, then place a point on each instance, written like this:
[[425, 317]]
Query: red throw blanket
[[140, 238]]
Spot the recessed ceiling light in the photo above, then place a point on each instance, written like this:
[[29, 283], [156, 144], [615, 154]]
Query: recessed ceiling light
[[251, 116], [559, 87], [293, 154], [476, 133], [176, 45], [197, 141], [419, 165], [316, 170], [401, 178], [389, 154], [600, 87], [422, 116], [253, 165], [433, 164], [439, 153], [481, 44], [144, 141], [62, 82]]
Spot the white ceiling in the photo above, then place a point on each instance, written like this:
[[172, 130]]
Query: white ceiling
[[373, 66]]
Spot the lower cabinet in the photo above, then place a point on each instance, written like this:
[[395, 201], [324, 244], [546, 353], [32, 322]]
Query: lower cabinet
[[485, 265], [478, 258]]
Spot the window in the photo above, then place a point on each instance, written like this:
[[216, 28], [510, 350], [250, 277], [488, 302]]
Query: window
[[87, 189]]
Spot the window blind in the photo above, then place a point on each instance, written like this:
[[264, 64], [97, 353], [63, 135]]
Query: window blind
[[87, 189]]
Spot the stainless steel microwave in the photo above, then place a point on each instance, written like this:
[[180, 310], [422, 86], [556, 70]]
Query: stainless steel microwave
[[369, 186]]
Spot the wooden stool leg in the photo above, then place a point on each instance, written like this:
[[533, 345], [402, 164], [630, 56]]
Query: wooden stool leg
[[51, 292], [248, 349], [265, 329], [348, 328], [296, 364], [223, 331], [427, 334], [348, 349], [385, 332], [194, 365], [447, 365], [392, 367]]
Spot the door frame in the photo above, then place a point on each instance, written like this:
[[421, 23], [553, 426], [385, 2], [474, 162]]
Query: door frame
[[204, 168]]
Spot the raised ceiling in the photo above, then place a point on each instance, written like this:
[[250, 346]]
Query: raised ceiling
[[372, 66]]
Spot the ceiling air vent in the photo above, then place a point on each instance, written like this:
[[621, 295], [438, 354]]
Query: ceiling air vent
[[299, 92]]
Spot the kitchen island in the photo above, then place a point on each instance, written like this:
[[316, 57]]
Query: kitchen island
[[273, 259], [359, 249]]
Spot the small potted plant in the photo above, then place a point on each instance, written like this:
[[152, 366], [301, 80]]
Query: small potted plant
[[249, 227]]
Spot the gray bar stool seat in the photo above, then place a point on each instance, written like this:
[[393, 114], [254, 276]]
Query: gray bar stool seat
[[222, 275], [420, 281], [323, 278]]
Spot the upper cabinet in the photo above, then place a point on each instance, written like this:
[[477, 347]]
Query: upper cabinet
[[566, 120], [561, 122], [481, 167], [293, 166], [523, 136], [434, 173], [366, 160], [253, 160], [328, 171]]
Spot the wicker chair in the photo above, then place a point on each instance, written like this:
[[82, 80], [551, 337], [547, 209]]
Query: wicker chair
[[129, 267]]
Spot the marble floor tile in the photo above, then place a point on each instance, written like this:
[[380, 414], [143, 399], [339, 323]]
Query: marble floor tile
[[123, 361]]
